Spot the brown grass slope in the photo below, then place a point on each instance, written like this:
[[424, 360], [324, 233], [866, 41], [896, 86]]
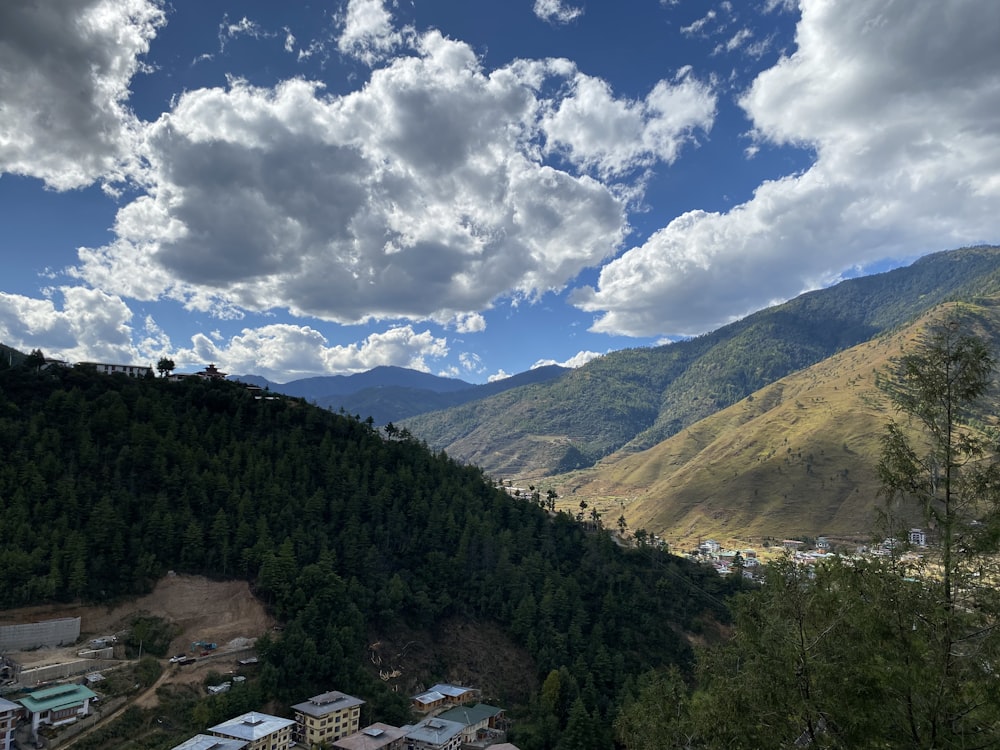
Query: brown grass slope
[[796, 458]]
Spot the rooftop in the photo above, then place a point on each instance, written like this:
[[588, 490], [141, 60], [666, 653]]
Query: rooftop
[[436, 730], [373, 737], [469, 715], [327, 703], [56, 697], [252, 726], [206, 742]]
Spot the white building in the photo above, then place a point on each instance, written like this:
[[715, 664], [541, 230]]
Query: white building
[[259, 731]]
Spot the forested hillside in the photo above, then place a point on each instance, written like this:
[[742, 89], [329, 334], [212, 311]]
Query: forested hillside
[[345, 532], [634, 399]]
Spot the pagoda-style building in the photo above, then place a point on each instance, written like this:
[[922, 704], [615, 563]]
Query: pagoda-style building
[[211, 373]]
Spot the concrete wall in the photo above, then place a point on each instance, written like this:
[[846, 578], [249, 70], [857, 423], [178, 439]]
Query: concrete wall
[[32, 677], [61, 632]]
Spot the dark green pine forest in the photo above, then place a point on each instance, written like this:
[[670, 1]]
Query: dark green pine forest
[[343, 530]]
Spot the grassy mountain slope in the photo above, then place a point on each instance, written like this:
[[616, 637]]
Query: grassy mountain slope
[[796, 458], [636, 398]]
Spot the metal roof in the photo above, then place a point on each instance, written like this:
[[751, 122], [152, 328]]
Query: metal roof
[[56, 698], [436, 731], [207, 742], [327, 703], [252, 726], [470, 715]]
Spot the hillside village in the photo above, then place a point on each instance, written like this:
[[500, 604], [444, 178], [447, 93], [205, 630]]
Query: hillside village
[[452, 717]]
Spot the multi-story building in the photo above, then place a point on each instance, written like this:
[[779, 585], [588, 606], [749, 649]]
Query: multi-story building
[[433, 734], [56, 705], [483, 724], [10, 714], [327, 717], [259, 731]]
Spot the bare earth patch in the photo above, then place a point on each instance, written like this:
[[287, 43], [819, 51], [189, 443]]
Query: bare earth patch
[[222, 612]]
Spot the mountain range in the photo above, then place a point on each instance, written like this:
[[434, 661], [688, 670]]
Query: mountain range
[[737, 433], [390, 394], [722, 434]]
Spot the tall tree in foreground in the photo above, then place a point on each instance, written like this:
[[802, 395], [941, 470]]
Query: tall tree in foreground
[[948, 467], [894, 651]]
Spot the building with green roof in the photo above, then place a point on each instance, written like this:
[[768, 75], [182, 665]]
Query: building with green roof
[[56, 705]]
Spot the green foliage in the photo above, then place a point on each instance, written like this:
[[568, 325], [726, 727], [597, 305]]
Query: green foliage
[[148, 670], [657, 718], [107, 483], [149, 635], [896, 651]]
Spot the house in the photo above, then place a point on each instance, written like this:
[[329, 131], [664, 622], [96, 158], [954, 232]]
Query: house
[[918, 537], [260, 731], [211, 373], [327, 717], [57, 705], [10, 714], [207, 742], [710, 547], [433, 734], [378, 736], [482, 723], [133, 371], [442, 695]]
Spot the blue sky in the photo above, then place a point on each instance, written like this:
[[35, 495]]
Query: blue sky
[[471, 188]]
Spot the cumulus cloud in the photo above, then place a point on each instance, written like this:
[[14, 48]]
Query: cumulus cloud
[[556, 11], [425, 195], [470, 323], [577, 360], [65, 117], [88, 325], [368, 34], [594, 130], [898, 102], [296, 351]]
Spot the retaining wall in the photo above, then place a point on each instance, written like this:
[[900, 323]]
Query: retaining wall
[[61, 632], [32, 677]]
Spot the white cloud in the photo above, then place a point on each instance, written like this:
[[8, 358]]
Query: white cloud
[[471, 362], [500, 375], [594, 130], [696, 27], [64, 116], [577, 360], [898, 102], [556, 11], [470, 323], [737, 40], [89, 325], [424, 195], [368, 34], [295, 351], [244, 27]]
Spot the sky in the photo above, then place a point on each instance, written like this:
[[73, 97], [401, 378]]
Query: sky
[[471, 188]]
